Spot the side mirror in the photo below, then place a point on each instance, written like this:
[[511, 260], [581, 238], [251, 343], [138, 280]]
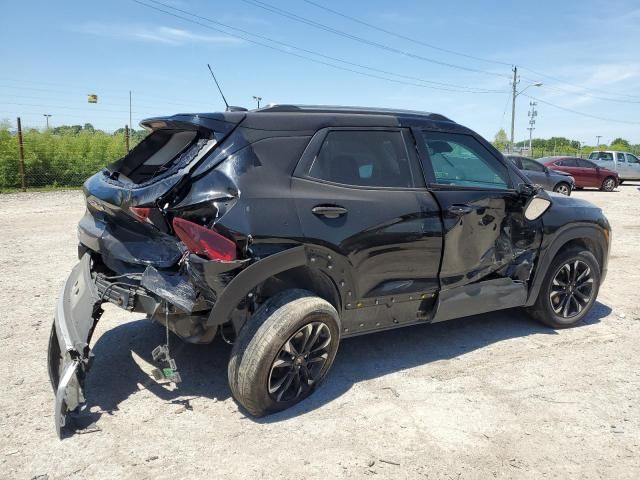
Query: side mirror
[[527, 190], [537, 205]]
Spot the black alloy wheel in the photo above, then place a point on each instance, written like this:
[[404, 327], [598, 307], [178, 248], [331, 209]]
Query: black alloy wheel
[[299, 363], [571, 289]]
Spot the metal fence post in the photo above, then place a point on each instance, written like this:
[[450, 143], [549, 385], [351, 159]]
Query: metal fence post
[[21, 151]]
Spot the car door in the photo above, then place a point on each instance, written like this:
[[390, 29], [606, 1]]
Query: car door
[[570, 166], [590, 173], [633, 164], [603, 159], [621, 165], [361, 198], [489, 247]]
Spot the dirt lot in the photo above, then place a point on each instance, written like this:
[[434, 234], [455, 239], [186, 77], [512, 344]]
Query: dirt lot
[[490, 396]]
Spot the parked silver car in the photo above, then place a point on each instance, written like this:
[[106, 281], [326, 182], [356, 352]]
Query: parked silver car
[[551, 180], [626, 164]]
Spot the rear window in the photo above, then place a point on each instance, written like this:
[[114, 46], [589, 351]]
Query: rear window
[[157, 153]]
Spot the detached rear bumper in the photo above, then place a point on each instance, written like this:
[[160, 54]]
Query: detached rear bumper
[[69, 357]]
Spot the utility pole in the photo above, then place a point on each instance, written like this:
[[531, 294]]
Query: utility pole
[[533, 113], [126, 136], [257, 99], [130, 121], [598, 137], [47, 115], [21, 152], [513, 102]]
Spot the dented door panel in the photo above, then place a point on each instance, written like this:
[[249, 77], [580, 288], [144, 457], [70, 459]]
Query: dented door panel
[[485, 234]]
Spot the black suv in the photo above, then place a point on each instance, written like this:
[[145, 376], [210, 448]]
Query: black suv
[[288, 228]]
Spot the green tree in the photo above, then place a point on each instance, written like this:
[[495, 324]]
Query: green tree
[[500, 141], [620, 141]]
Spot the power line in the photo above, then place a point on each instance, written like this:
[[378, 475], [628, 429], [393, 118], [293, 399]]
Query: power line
[[453, 52], [588, 115], [404, 37], [580, 86], [288, 46], [321, 26]]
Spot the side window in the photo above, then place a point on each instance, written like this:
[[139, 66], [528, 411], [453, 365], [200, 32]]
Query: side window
[[585, 163], [603, 156], [632, 158], [620, 157], [567, 162], [531, 165], [462, 161], [366, 159], [515, 161]]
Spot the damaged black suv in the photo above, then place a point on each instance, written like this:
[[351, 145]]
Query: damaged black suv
[[289, 228]]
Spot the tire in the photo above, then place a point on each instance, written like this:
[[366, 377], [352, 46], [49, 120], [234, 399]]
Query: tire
[[608, 184], [563, 188], [546, 310], [262, 358]]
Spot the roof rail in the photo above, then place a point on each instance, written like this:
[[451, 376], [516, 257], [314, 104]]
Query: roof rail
[[292, 108]]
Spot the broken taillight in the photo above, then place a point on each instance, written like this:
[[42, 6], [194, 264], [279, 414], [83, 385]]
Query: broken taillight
[[141, 213], [203, 241]]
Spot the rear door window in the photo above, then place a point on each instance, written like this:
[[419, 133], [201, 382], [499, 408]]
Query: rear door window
[[620, 157], [461, 160], [585, 163], [567, 162], [366, 159]]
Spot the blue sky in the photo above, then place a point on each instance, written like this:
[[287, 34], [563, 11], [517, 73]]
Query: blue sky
[[55, 53]]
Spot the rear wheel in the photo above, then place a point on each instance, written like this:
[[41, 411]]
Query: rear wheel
[[284, 352], [562, 188], [568, 290], [608, 184]]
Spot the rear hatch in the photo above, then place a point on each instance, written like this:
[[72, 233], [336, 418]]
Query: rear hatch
[[126, 217]]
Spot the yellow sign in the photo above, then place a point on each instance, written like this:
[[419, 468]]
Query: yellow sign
[[92, 98]]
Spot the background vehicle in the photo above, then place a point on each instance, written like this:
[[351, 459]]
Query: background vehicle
[[288, 228], [626, 164], [585, 172], [552, 180]]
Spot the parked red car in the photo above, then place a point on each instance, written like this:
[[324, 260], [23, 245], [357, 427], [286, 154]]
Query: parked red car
[[585, 172]]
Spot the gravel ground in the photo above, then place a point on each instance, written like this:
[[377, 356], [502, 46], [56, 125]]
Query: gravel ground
[[494, 395]]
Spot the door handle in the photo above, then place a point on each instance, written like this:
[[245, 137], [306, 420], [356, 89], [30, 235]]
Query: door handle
[[329, 211], [460, 209]]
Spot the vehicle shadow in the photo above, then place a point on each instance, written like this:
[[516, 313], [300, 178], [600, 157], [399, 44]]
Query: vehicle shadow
[[115, 374]]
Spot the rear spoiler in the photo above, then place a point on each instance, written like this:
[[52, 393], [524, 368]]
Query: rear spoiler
[[221, 123]]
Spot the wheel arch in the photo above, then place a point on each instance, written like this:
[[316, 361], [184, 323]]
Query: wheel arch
[[589, 237], [296, 267]]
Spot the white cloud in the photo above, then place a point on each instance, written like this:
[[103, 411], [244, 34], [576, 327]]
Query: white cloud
[[155, 34]]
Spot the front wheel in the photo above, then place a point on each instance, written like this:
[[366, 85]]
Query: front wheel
[[569, 289], [284, 352], [562, 188], [609, 184]]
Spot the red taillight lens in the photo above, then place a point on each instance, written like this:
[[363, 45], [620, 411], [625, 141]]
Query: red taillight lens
[[141, 213], [203, 241]]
